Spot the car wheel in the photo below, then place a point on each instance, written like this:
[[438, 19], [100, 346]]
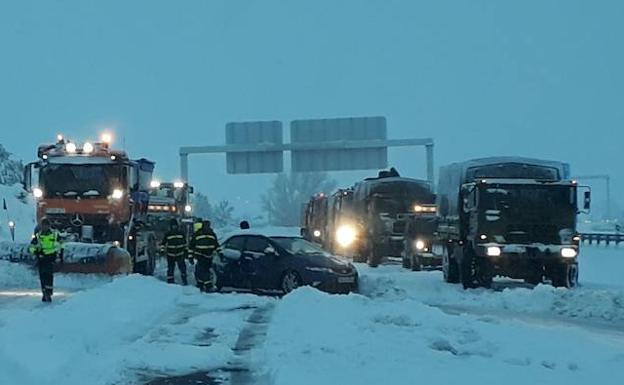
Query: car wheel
[[290, 281]]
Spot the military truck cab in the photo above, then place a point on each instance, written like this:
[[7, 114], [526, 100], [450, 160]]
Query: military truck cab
[[512, 217], [384, 206]]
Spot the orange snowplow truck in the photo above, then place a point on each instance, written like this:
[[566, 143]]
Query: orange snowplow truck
[[98, 199]]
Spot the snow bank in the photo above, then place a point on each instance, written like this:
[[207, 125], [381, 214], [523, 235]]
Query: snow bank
[[316, 338], [111, 334], [395, 284], [21, 210]]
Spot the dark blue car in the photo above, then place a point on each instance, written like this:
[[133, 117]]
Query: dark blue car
[[280, 263]]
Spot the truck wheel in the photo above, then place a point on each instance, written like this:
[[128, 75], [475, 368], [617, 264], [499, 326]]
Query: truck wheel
[[565, 275], [474, 271], [406, 262], [415, 263], [148, 267], [449, 268], [374, 257]]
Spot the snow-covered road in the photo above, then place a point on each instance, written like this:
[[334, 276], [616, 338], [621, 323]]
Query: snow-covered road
[[404, 327]]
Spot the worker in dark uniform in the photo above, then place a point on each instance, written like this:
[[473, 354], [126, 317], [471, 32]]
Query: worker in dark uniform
[[174, 244], [202, 246], [47, 247]]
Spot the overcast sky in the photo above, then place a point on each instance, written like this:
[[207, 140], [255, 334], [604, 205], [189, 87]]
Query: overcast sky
[[537, 78]]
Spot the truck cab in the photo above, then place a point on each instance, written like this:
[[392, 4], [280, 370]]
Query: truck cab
[[94, 194], [384, 206], [509, 217]]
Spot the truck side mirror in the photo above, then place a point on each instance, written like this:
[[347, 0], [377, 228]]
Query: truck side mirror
[[587, 200], [27, 181]]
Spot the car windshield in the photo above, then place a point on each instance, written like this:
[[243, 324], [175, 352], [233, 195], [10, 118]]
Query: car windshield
[[69, 181], [299, 246]]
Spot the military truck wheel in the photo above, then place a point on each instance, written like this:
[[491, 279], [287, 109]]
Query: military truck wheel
[[565, 275], [373, 256], [449, 268], [416, 263], [373, 260], [474, 271], [406, 262]]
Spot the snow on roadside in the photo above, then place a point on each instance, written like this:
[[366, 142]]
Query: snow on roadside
[[395, 284], [592, 301], [316, 338], [20, 212], [25, 277], [110, 334]]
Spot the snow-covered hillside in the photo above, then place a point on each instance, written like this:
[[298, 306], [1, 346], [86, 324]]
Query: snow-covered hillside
[[20, 210]]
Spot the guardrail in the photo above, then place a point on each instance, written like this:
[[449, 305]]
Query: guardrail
[[602, 238]]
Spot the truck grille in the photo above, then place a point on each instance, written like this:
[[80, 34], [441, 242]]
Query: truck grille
[[538, 233], [399, 227]]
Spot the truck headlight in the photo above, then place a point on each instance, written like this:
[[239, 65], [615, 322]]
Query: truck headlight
[[188, 208], [70, 148], [117, 194], [346, 235], [87, 148], [317, 233], [420, 245], [37, 192], [178, 184], [568, 252], [494, 251]]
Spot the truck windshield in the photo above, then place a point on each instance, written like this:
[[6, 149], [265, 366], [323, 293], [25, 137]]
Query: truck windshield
[[398, 197], [70, 181], [528, 203]]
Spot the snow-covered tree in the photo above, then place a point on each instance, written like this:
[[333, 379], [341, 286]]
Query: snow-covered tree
[[11, 171], [284, 201], [221, 214]]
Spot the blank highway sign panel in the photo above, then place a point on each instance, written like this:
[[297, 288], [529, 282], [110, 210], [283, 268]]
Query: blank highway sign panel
[[242, 134], [337, 135]]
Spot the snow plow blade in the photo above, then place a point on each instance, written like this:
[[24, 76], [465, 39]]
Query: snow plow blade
[[85, 258]]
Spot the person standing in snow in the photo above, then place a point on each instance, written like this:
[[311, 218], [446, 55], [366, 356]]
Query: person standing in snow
[[244, 225], [202, 247], [174, 244], [47, 247]]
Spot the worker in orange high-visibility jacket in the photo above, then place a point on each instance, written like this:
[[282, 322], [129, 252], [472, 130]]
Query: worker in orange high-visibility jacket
[[47, 247], [202, 247]]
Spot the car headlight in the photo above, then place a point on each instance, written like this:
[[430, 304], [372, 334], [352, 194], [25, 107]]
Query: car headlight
[[117, 194], [420, 245], [346, 235], [568, 252], [319, 269], [37, 192], [494, 251]]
